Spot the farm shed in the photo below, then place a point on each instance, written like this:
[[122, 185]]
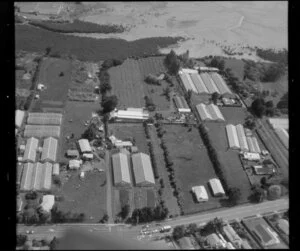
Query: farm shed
[[210, 85], [263, 170], [85, 146], [26, 181], [41, 131], [216, 187], [88, 156], [232, 137], [279, 123], [265, 235], [55, 169], [251, 156], [130, 114], [121, 144], [214, 241], [200, 193], [74, 164], [38, 118], [38, 178], [73, 153], [203, 113], [30, 149], [283, 225], [232, 235], [49, 149], [47, 178], [256, 145], [19, 118], [186, 243], [221, 85], [48, 202], [242, 137], [215, 112], [142, 168], [204, 68], [283, 136], [187, 83], [181, 104], [198, 83], [121, 169]]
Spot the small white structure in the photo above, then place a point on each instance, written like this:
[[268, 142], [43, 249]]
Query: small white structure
[[216, 187], [19, 118], [251, 156], [242, 137], [120, 144], [88, 156], [279, 123], [48, 202], [75, 164], [81, 175], [55, 169], [200, 193], [130, 114], [181, 104], [41, 87], [85, 146], [204, 68], [232, 137]]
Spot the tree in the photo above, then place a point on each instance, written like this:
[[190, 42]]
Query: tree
[[21, 239], [56, 181], [90, 133], [213, 225], [109, 103], [105, 87], [218, 63], [31, 195], [104, 218], [215, 97], [125, 211], [172, 62], [274, 192], [54, 244], [258, 107], [48, 50], [234, 195], [149, 104], [257, 194], [269, 104], [166, 92], [250, 122], [191, 228], [264, 182], [178, 232]]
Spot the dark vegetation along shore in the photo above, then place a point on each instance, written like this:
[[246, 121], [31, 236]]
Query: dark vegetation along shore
[[78, 27], [29, 38]]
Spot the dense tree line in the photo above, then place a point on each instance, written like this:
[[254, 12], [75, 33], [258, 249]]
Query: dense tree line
[[260, 107], [149, 104], [148, 214], [77, 26], [217, 63], [279, 56], [29, 38]]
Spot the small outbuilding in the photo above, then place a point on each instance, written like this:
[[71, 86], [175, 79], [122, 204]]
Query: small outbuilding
[[73, 153], [200, 193], [85, 146], [48, 202], [216, 187], [75, 164], [55, 169]]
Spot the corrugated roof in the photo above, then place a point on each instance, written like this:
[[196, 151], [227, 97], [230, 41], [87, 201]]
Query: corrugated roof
[[242, 137], [200, 192], [203, 113], [19, 117], [30, 149], [42, 131], [39, 176], [256, 145], [121, 168], [283, 136], [84, 145], [49, 149], [215, 112], [210, 85], [48, 176], [201, 88], [232, 137], [142, 168], [27, 176], [216, 186], [180, 102], [220, 83], [263, 233], [187, 84]]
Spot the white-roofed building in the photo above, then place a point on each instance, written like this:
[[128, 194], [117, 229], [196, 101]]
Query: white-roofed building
[[49, 149], [41, 131], [181, 104], [216, 187], [210, 85], [27, 177], [284, 226], [48, 202], [200, 193], [39, 176], [130, 114], [198, 82], [215, 112], [191, 83], [203, 113], [85, 146], [256, 145], [220, 83], [121, 169], [142, 169], [19, 118], [47, 176], [38, 118], [74, 164], [30, 149], [283, 136], [189, 71], [279, 123], [55, 169], [88, 156], [232, 137], [204, 68], [187, 83], [232, 235], [251, 156], [120, 144], [242, 137]]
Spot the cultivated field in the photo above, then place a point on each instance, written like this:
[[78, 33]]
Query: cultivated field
[[130, 131], [86, 196], [235, 174], [128, 84], [192, 165]]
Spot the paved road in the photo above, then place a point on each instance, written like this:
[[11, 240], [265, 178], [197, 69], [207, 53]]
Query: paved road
[[127, 231]]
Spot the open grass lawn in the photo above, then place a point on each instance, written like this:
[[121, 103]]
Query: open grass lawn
[[150, 198], [130, 131], [251, 223], [140, 197], [85, 196], [234, 115], [192, 165], [127, 81], [236, 65], [78, 112], [235, 174]]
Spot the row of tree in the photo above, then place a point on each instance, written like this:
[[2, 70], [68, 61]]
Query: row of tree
[[149, 104], [233, 193], [261, 107]]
